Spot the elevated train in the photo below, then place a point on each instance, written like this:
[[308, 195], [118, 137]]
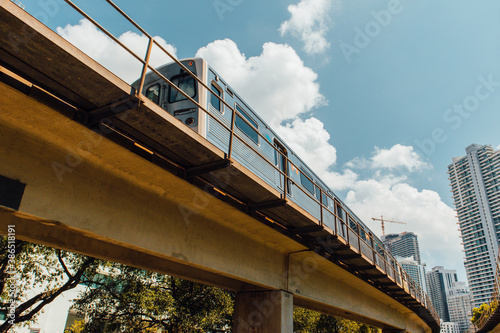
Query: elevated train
[[263, 152]]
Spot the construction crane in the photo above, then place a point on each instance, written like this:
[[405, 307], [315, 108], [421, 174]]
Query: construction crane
[[381, 219]]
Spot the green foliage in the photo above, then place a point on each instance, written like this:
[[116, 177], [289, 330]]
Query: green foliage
[[483, 309], [134, 300], [307, 321], [77, 327], [120, 298], [32, 276], [477, 312]]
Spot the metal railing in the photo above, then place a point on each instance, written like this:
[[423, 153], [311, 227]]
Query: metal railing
[[492, 305], [346, 225]]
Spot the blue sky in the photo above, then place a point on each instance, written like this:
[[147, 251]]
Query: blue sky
[[377, 96]]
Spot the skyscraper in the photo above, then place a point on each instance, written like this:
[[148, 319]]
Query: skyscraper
[[403, 245], [475, 183], [439, 283], [415, 270], [460, 305]]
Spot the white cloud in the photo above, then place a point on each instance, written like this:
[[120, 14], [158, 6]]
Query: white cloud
[[310, 141], [276, 84], [497, 148], [309, 22], [104, 50], [398, 156], [424, 212]]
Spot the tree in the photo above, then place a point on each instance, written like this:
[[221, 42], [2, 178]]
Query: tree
[[32, 276], [308, 321], [477, 312], [304, 320], [122, 297], [127, 298]]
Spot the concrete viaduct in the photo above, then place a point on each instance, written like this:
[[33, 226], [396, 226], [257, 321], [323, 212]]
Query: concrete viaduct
[[142, 199]]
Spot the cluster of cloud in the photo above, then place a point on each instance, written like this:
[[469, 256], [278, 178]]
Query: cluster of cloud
[[309, 22], [398, 156], [283, 91], [108, 53], [423, 211], [257, 79]]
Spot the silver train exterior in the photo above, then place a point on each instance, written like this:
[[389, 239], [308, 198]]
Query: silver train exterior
[[304, 185]]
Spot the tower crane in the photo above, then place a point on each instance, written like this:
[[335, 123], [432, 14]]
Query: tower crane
[[381, 219]]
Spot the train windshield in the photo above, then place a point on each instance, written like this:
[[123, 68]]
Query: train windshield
[[186, 83]]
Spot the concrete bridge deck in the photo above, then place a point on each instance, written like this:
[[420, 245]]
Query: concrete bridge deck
[[140, 188]]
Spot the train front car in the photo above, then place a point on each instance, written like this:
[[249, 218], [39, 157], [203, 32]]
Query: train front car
[[160, 92]]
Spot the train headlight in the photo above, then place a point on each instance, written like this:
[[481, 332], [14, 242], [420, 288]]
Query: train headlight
[[189, 121]]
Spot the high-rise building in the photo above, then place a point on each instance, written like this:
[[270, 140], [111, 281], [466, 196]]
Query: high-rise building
[[439, 283], [415, 270], [460, 305], [449, 327], [475, 184], [403, 245]]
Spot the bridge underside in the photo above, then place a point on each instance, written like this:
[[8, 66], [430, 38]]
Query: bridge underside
[[85, 193], [103, 194]]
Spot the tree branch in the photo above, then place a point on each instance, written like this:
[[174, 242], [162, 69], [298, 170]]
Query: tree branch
[[45, 298], [63, 264]]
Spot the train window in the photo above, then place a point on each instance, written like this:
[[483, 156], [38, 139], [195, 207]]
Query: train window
[[305, 180], [323, 196], [186, 83], [153, 93], [340, 212], [216, 92], [250, 131]]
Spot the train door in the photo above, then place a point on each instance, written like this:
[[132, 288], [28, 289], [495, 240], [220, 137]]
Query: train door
[[281, 159], [340, 220]]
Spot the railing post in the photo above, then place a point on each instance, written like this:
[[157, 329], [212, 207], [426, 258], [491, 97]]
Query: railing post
[[372, 245], [145, 66], [359, 238], [321, 206], [285, 176], [336, 218], [231, 135]]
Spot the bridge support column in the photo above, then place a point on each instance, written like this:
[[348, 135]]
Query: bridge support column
[[263, 312]]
